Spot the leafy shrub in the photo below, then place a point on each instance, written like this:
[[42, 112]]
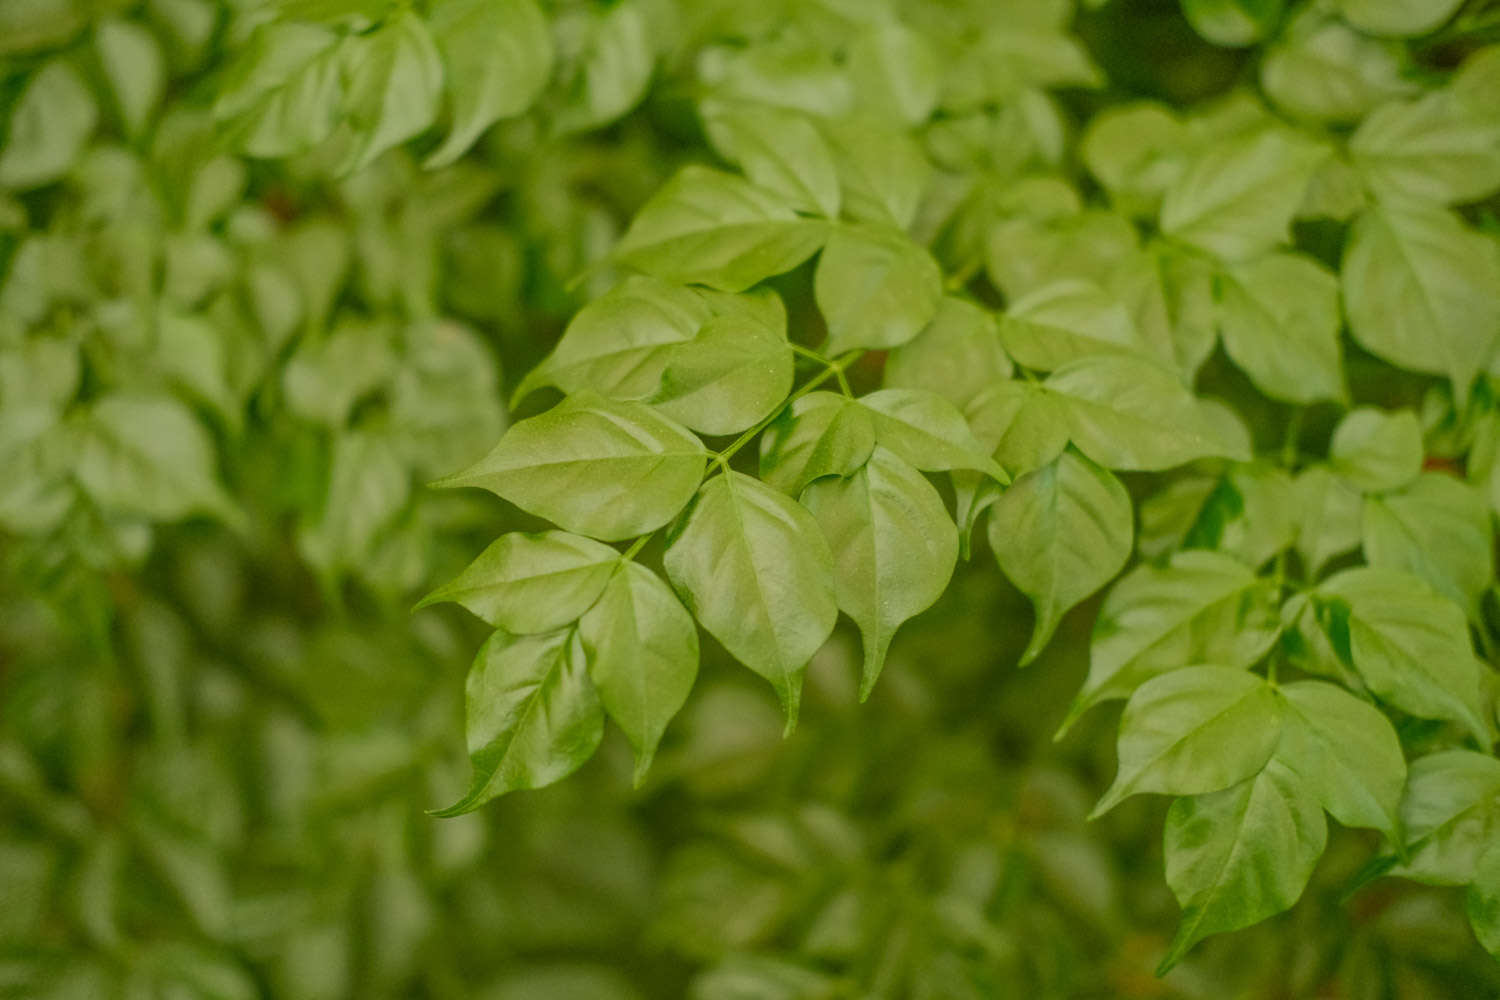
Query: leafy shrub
[[811, 305]]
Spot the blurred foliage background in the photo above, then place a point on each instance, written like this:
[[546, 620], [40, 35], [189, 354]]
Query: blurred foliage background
[[224, 380]]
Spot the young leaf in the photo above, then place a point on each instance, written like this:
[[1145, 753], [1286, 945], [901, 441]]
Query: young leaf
[[531, 583], [394, 80], [1397, 17], [1193, 731], [875, 288], [1249, 513], [1321, 69], [1129, 414], [1060, 533], [1409, 643], [1233, 23], [1327, 516], [882, 170], [928, 432], [1135, 151], [1437, 528], [601, 468], [896, 72], [613, 71], [1346, 754], [148, 456], [821, 434], [734, 373], [1375, 450], [47, 128], [1024, 426], [712, 228], [1451, 815], [368, 487], [284, 93], [755, 570], [1200, 607], [958, 355], [1237, 197], [642, 649], [894, 548], [1238, 856], [497, 57], [133, 63], [1279, 317], [780, 151], [1069, 320], [1422, 291], [533, 716], [1483, 901], [1437, 148]]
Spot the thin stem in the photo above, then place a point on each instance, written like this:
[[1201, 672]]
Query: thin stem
[[1289, 450], [636, 546], [835, 368]]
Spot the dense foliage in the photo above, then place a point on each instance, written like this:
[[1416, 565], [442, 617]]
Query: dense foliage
[[1187, 316]]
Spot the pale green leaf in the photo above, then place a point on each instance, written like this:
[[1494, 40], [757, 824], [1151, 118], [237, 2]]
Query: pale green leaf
[[1397, 17], [875, 288], [1437, 148], [1068, 320], [613, 71], [642, 649], [756, 571], [928, 432], [1129, 414], [1451, 815], [1321, 69], [1021, 424], [533, 716], [1233, 23], [1200, 607], [133, 63], [531, 583], [896, 72], [821, 434], [1279, 317], [48, 127], [1135, 151], [1060, 533], [1422, 291], [708, 227], [1437, 528], [368, 487], [882, 170], [1375, 450], [1328, 517], [733, 374], [1249, 513], [1408, 642], [780, 151], [284, 91], [1237, 197], [894, 548], [1193, 731], [1238, 856], [958, 355], [1483, 902], [594, 466], [394, 85], [1346, 754], [497, 57]]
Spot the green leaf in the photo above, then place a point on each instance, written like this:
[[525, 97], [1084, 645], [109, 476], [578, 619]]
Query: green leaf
[[1068, 320], [1238, 856], [497, 57], [1007, 59], [1320, 69], [1346, 754], [147, 456], [394, 81], [1408, 642], [594, 466], [1171, 296], [755, 570], [1279, 317], [642, 649], [1249, 514], [1376, 450], [368, 487], [1024, 426], [1129, 414], [285, 90], [734, 373], [1397, 17], [821, 434], [882, 170], [133, 63], [894, 548], [1200, 607], [1233, 23], [1136, 151], [1237, 197], [1022, 254], [1437, 528], [928, 432], [614, 70], [531, 583], [896, 72], [1060, 533], [712, 228], [1437, 148], [958, 355], [533, 716], [1451, 815], [325, 378], [48, 127], [875, 288], [1193, 731], [778, 150], [1483, 900], [1328, 516], [1422, 291]]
